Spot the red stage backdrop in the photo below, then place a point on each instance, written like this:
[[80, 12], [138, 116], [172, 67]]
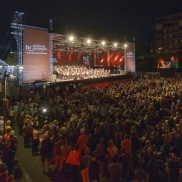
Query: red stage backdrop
[[130, 58], [111, 58], [35, 55], [72, 58]]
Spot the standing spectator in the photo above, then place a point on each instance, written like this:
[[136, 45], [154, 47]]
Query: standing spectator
[[94, 168], [73, 162], [101, 150], [126, 143], [134, 147], [118, 138], [26, 134], [20, 123], [2, 144], [58, 154], [152, 168], [82, 141], [115, 170], [35, 141], [15, 109], [3, 172], [46, 152], [2, 125], [137, 176], [8, 157], [125, 161], [173, 168], [65, 150], [11, 114], [112, 150], [13, 143], [85, 160]]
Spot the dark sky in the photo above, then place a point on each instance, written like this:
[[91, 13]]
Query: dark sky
[[118, 18]]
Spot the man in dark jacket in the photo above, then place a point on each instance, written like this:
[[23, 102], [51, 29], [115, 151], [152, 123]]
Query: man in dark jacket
[[8, 157], [46, 152], [20, 123]]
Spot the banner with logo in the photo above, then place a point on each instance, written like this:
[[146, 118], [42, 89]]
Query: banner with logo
[[130, 57], [35, 55]]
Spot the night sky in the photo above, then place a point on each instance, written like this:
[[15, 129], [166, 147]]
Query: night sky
[[112, 18]]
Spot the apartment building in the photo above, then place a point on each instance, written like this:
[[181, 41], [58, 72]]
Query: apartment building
[[168, 35]]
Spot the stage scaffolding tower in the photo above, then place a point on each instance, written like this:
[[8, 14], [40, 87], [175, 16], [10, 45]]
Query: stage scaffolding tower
[[18, 36], [50, 57]]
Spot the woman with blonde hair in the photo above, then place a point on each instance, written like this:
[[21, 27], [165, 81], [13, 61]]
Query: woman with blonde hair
[[112, 150]]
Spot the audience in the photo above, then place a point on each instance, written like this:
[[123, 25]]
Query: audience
[[133, 129]]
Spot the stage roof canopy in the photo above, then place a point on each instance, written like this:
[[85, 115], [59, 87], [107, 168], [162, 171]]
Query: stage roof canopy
[[78, 44]]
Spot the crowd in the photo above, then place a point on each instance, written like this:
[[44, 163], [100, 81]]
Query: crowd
[[130, 131]]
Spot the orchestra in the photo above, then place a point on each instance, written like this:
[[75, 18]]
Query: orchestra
[[79, 72]]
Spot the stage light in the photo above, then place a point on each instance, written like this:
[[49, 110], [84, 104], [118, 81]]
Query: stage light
[[103, 43], [115, 44], [71, 38], [125, 45], [88, 41]]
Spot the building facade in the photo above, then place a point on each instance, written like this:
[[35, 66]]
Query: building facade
[[168, 35]]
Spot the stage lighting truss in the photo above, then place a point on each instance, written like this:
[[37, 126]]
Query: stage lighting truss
[[18, 29], [78, 44]]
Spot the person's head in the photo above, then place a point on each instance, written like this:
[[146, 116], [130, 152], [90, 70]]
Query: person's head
[[76, 147], [173, 156], [137, 175], [148, 143], [126, 136], [60, 137], [8, 130], [110, 144], [172, 58], [8, 123], [87, 151], [123, 151], [102, 140], [151, 155], [94, 154], [82, 131], [115, 159]]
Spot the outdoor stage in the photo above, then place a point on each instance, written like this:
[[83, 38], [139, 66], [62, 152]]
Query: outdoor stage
[[88, 83]]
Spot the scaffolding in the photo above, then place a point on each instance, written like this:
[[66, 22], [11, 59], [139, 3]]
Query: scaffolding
[[18, 36], [50, 57]]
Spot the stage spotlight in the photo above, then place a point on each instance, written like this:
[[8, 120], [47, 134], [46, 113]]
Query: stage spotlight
[[71, 38], [115, 44], [103, 43], [88, 41], [125, 45]]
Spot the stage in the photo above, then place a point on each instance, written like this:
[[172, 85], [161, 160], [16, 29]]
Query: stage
[[88, 83]]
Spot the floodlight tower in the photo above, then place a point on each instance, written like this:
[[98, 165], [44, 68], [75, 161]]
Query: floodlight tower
[[18, 36]]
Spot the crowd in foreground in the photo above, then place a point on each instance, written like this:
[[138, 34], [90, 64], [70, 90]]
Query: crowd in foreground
[[130, 131]]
